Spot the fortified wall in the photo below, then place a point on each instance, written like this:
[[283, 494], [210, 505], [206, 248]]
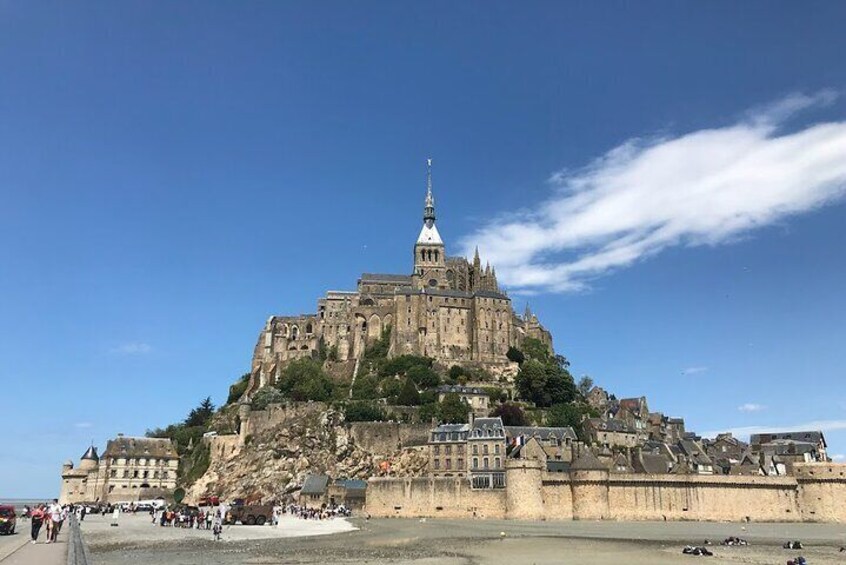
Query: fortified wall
[[814, 494]]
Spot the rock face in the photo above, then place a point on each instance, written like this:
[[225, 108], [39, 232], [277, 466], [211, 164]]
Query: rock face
[[276, 458]]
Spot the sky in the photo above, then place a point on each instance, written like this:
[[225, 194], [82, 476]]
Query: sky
[[663, 183]]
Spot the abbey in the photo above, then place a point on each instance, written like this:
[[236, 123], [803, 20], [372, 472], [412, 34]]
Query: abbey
[[447, 308]]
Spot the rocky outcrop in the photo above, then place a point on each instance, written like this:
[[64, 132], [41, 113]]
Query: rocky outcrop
[[276, 458]]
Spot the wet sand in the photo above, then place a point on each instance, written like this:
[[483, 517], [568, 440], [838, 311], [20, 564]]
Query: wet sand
[[441, 542]]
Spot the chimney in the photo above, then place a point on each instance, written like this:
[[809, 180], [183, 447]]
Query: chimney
[[471, 419]]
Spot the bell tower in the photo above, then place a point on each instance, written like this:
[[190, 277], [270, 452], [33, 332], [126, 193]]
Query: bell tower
[[429, 256]]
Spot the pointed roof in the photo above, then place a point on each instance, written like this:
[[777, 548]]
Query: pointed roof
[[91, 454], [429, 234], [587, 462]]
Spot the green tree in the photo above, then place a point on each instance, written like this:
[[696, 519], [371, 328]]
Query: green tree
[[408, 396], [585, 384], [265, 396], [238, 388], [366, 387], [535, 349], [200, 415], [430, 411], [531, 381], [424, 377], [304, 379], [511, 414], [391, 387], [545, 383], [515, 355], [564, 415], [453, 410], [363, 412]]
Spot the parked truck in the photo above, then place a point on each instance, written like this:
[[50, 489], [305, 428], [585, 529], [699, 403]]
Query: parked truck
[[250, 514]]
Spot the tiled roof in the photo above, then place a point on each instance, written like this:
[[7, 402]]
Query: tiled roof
[[811, 436], [540, 432], [315, 484], [587, 462], [459, 389], [140, 447], [385, 278]]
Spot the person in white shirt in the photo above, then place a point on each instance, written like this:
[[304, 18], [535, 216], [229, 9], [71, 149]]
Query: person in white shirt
[[54, 512]]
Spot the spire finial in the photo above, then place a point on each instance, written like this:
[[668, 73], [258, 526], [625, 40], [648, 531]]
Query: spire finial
[[429, 210]]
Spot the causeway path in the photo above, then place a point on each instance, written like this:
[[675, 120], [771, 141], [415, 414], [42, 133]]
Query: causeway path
[[16, 549]]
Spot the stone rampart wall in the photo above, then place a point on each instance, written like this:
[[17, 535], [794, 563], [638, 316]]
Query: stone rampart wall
[[596, 495], [432, 497], [382, 438]]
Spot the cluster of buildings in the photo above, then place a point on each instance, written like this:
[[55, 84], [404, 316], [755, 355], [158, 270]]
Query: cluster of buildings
[[131, 468], [625, 438]]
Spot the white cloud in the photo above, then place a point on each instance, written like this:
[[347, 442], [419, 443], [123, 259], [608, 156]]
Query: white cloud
[[132, 348], [744, 432], [83, 425], [694, 370], [750, 407], [705, 187], [838, 457]]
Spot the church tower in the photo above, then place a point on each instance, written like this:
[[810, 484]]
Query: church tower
[[429, 256]]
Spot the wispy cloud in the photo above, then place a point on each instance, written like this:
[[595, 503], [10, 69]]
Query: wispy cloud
[[705, 187], [751, 407], [694, 370], [131, 348], [838, 457], [746, 431], [83, 425]]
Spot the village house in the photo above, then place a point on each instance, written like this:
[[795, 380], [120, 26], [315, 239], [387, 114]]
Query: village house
[[610, 433], [486, 457], [476, 398], [447, 450]]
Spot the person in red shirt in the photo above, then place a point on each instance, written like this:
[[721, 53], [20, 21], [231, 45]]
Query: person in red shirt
[[38, 516]]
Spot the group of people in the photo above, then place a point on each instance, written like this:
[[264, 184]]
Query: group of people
[[209, 519], [50, 516], [325, 512]]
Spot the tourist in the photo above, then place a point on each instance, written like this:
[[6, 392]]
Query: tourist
[[218, 527], [209, 518], [37, 516], [54, 514], [115, 516]]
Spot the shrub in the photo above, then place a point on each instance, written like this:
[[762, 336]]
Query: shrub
[[363, 412]]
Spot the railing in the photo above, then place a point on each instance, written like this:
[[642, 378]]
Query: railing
[[77, 550]]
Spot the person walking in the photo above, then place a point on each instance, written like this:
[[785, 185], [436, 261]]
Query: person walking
[[54, 514], [37, 519], [115, 515]]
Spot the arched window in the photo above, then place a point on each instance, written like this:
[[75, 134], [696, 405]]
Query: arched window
[[422, 254], [295, 332], [436, 254], [308, 328]]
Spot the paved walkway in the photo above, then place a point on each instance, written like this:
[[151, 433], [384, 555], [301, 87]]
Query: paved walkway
[[41, 553]]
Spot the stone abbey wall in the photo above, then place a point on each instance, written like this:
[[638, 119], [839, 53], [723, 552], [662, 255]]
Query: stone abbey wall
[[814, 494]]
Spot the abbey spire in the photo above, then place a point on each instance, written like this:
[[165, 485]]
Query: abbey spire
[[429, 234]]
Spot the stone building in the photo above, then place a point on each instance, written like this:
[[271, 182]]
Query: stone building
[[448, 308], [447, 450], [131, 468], [486, 453], [476, 398]]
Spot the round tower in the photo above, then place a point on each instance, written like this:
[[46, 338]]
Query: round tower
[[589, 483], [244, 410], [523, 498], [89, 460], [67, 466]]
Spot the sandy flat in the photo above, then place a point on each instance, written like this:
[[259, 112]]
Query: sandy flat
[[476, 542]]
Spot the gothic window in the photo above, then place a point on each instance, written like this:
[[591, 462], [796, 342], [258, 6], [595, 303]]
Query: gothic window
[[436, 254], [308, 329], [433, 282], [295, 332]]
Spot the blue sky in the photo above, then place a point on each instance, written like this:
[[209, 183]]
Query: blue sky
[[662, 182]]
